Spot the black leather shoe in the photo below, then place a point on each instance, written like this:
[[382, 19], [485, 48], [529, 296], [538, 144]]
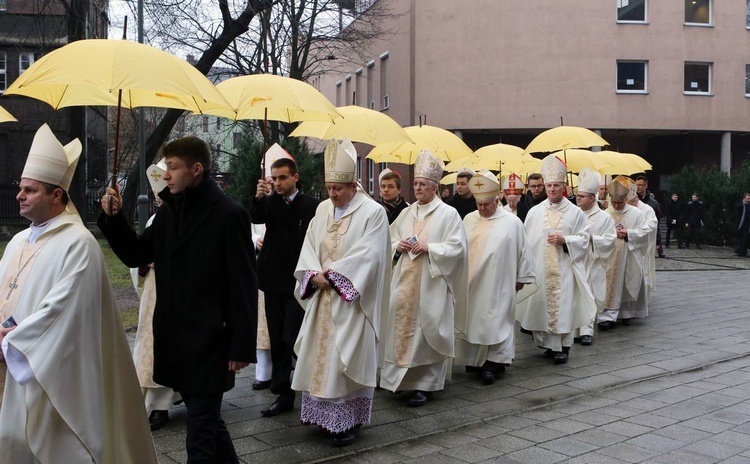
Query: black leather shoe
[[472, 369], [560, 358], [605, 325], [698, 247], [419, 398], [345, 438], [488, 378], [158, 419], [625, 321], [587, 340], [549, 353], [282, 404], [261, 384]]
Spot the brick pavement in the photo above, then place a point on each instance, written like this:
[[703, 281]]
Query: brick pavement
[[670, 388]]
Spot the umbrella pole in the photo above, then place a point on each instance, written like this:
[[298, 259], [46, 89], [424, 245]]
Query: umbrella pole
[[117, 139], [265, 146]]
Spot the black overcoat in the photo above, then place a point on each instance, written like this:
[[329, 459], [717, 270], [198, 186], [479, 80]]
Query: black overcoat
[[206, 286]]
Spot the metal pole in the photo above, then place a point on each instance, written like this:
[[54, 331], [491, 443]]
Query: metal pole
[[143, 197]]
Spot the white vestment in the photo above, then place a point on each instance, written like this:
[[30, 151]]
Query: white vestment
[[603, 237], [264, 367], [420, 339], [498, 259], [81, 402], [512, 211], [649, 261], [626, 287], [564, 301], [337, 345]]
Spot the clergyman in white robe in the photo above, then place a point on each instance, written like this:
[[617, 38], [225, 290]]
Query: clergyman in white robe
[[499, 259], [649, 259], [71, 393], [337, 345]]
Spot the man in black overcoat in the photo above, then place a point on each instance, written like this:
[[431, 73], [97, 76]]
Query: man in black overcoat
[[743, 225], [205, 319], [286, 213]]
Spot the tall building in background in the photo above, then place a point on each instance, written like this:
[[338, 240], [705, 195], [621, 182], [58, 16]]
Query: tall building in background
[[28, 30], [666, 79]]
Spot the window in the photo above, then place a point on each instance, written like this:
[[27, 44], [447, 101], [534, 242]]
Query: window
[[370, 79], [25, 60], [3, 5], [348, 89], [384, 80], [205, 123], [372, 104], [631, 11], [698, 12], [371, 176], [3, 68], [747, 14], [358, 88], [339, 90], [382, 166], [697, 78], [632, 76], [218, 124], [747, 80]]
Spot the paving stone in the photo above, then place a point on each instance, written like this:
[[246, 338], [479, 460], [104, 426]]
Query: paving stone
[[566, 426], [628, 453], [594, 418], [681, 457], [568, 446], [416, 448], [598, 437], [537, 455], [712, 448], [658, 443], [627, 429], [473, 452], [450, 439], [682, 433], [594, 458], [537, 434]]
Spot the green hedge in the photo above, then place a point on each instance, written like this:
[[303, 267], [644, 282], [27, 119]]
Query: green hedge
[[720, 195]]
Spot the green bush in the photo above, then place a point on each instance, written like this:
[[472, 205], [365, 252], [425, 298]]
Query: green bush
[[719, 193]]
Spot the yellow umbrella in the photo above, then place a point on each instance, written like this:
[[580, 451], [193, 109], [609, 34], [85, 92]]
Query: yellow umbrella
[[356, 123], [577, 159], [623, 163], [564, 138], [489, 157], [116, 73], [440, 142], [449, 179], [5, 116], [93, 72], [274, 98]]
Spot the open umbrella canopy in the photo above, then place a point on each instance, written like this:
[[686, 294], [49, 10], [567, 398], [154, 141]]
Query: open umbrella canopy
[[5, 116], [491, 157], [577, 159], [275, 98], [357, 124], [563, 138], [623, 163], [440, 142], [92, 72]]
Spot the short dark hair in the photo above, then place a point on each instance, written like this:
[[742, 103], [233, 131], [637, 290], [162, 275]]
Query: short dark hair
[[534, 176], [643, 178], [696, 194], [285, 163], [464, 175], [191, 150], [392, 176], [49, 188], [746, 194]]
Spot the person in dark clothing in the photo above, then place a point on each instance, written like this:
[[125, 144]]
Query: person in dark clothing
[[390, 194], [463, 200], [204, 321], [675, 210], [286, 214], [694, 221], [641, 186], [743, 225], [534, 195]]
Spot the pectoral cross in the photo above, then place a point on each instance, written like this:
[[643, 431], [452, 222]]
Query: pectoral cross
[[13, 285], [335, 239]]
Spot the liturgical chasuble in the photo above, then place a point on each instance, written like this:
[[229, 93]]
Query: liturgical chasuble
[[82, 402]]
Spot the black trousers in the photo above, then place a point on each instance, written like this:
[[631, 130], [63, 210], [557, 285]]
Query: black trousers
[[742, 235], [694, 235], [676, 228], [284, 316], [208, 441]]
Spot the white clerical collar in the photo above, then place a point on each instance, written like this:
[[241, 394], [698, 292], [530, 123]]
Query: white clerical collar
[[559, 205], [338, 212], [293, 196], [591, 210], [36, 231]]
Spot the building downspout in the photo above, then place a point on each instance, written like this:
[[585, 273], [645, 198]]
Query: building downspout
[[726, 152]]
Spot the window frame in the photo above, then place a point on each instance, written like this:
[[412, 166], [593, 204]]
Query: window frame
[[710, 22], [710, 66], [630, 21], [33, 57], [4, 72], [747, 80], [371, 176], [645, 78]]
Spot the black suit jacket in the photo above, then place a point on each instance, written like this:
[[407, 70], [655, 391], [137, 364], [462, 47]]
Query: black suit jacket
[[286, 226], [206, 286]]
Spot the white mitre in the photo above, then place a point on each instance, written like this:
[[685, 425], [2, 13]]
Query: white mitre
[[275, 152], [155, 174], [484, 185], [51, 162], [554, 169], [589, 181], [340, 162], [428, 166]]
